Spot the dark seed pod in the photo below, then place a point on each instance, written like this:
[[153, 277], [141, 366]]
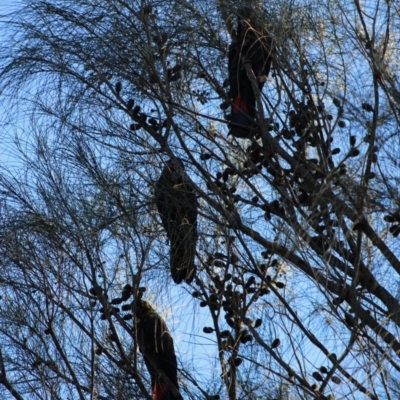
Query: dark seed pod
[[130, 104], [250, 281], [264, 254], [263, 267], [264, 291], [317, 376], [337, 301], [352, 140], [224, 106], [349, 320], [280, 285], [258, 323], [341, 124], [324, 370], [208, 329], [153, 122], [95, 290], [275, 343], [247, 338], [336, 102], [99, 351], [228, 277], [127, 317], [128, 288], [287, 134], [47, 331], [136, 110], [196, 294], [142, 118], [255, 199], [243, 334], [367, 107], [358, 225], [389, 218], [203, 303], [213, 298], [237, 361], [395, 230], [205, 156], [336, 151], [113, 337], [224, 334], [370, 175], [118, 87], [116, 301], [354, 152], [336, 379], [126, 307], [374, 157]]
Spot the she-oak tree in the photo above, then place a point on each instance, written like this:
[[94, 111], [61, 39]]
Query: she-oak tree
[[296, 291]]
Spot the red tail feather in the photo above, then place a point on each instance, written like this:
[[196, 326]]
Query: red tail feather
[[240, 105], [159, 391]]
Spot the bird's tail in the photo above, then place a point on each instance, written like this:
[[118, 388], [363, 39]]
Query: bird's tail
[[183, 267], [183, 251], [242, 123], [162, 392]]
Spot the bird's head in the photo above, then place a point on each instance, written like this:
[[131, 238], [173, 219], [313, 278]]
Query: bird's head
[[176, 169], [175, 164], [143, 309]]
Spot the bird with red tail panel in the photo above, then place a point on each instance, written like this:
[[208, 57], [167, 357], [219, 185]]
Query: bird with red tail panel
[[250, 45], [157, 346]]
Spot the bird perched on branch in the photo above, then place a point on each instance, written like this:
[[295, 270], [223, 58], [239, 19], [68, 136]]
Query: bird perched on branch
[[249, 44], [157, 346], [177, 205]]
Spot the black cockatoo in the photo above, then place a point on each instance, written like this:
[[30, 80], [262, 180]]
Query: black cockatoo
[[253, 46], [157, 346], [177, 204]]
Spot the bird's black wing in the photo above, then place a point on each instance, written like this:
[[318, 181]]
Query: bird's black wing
[[157, 346], [177, 204], [254, 48]]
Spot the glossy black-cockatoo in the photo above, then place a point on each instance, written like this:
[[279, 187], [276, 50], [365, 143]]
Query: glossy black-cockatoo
[[251, 45], [177, 204], [157, 346]]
